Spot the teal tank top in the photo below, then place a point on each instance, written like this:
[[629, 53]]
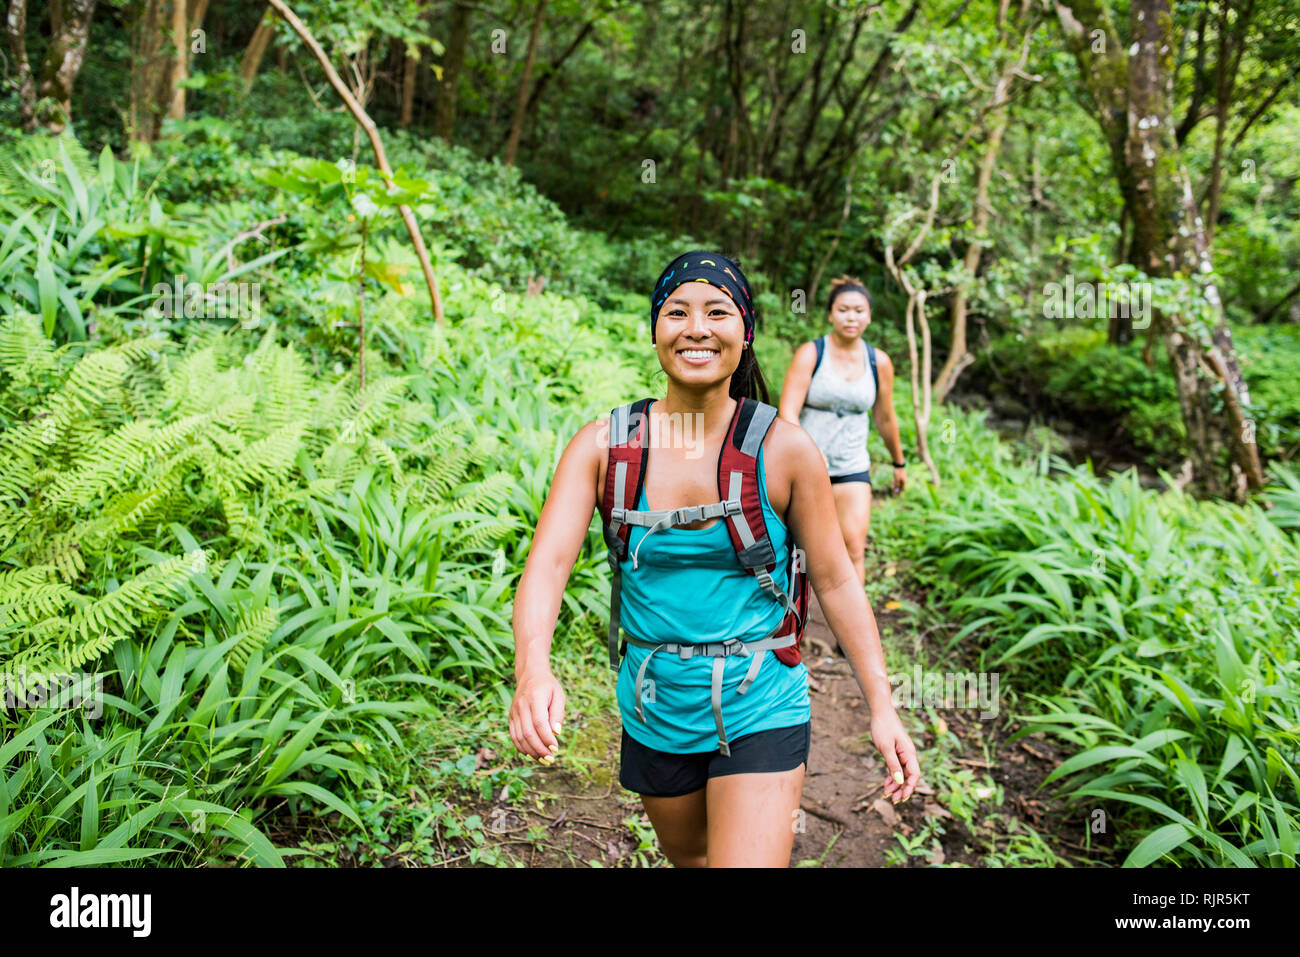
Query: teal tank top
[[688, 587]]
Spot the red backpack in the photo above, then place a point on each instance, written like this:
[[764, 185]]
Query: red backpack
[[740, 507]]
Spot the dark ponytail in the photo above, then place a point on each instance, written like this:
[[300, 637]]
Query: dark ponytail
[[747, 380]]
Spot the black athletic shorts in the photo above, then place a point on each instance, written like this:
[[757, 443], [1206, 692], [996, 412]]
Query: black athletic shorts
[[852, 477], [663, 774]]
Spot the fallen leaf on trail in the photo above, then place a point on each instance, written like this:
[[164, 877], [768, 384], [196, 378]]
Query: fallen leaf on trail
[[886, 810], [936, 810], [891, 569], [892, 605], [923, 788], [940, 726], [937, 857], [484, 756], [983, 794]]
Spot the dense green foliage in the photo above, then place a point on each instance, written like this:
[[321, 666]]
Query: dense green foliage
[[1153, 633], [1074, 373], [271, 569]]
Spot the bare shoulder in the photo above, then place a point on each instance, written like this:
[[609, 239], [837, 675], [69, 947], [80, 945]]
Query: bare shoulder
[[590, 447], [789, 451], [805, 356], [883, 361]]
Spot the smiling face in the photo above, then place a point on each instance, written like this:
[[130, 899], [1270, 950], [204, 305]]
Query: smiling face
[[850, 314], [698, 334]]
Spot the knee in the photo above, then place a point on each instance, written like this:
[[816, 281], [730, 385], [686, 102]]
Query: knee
[[686, 850], [694, 854]]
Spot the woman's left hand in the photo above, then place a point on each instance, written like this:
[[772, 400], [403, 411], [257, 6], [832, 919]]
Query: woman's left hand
[[899, 754], [900, 480]]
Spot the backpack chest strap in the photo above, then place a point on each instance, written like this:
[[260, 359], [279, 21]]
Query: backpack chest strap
[[659, 519]]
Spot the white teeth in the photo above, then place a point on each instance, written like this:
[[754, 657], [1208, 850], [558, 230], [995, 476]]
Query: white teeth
[[697, 353]]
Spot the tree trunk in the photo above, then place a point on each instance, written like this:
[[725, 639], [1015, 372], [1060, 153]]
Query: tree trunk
[[517, 124], [256, 49], [444, 120], [70, 23], [958, 355], [16, 27], [1168, 234], [152, 68], [180, 59], [545, 77], [410, 68]]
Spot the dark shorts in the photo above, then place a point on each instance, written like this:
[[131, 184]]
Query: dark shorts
[[852, 477], [662, 774]]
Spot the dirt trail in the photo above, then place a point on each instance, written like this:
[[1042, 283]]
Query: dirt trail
[[588, 819]]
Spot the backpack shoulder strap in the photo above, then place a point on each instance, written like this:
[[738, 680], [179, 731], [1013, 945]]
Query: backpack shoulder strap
[[875, 377], [738, 482], [747, 525], [820, 343], [629, 449]]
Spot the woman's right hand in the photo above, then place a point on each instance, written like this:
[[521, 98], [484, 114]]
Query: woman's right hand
[[537, 714]]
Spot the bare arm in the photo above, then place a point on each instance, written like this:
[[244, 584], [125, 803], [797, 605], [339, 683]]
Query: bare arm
[[885, 417], [797, 380], [537, 712], [812, 510]]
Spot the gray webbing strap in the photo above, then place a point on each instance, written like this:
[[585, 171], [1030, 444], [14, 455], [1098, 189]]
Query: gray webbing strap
[[615, 603], [766, 582], [718, 650], [719, 663], [680, 516], [640, 678], [762, 419], [742, 524]]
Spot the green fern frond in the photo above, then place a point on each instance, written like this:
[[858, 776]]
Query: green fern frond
[[485, 535], [364, 411], [487, 495], [115, 460], [380, 453], [255, 627], [63, 551], [29, 594], [26, 352], [74, 656], [120, 611]]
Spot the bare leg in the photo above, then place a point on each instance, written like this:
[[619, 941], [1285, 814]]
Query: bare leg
[[752, 818], [680, 823], [853, 507]]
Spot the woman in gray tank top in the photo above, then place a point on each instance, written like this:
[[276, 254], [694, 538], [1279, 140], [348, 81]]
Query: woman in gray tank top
[[834, 400]]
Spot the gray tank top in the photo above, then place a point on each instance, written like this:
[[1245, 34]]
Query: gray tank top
[[837, 414]]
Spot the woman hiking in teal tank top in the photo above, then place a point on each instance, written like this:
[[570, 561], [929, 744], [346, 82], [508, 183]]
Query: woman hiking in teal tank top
[[716, 730]]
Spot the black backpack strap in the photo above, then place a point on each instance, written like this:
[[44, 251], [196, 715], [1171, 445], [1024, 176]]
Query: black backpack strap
[[875, 377], [820, 343]]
